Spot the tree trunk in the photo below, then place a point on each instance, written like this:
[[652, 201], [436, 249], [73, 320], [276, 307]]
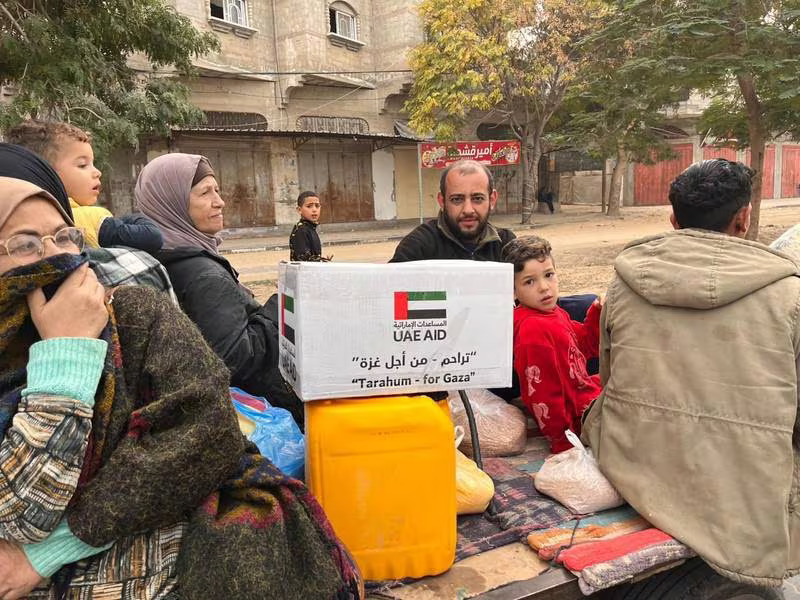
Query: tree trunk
[[531, 154], [758, 143], [523, 169], [603, 192], [617, 177]]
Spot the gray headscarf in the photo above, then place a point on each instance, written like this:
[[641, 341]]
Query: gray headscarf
[[162, 194]]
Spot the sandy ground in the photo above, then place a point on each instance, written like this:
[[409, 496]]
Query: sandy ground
[[584, 242]]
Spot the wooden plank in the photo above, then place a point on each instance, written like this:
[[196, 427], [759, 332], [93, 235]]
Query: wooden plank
[[227, 169], [350, 187], [710, 152], [790, 179], [558, 584], [366, 191], [651, 182], [474, 575], [509, 189], [312, 167], [334, 188], [244, 189], [768, 176], [265, 207], [343, 179]]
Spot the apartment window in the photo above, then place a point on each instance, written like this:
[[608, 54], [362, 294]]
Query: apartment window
[[343, 26], [232, 11], [343, 21]]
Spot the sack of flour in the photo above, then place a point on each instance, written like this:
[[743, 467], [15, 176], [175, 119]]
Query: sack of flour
[[574, 479], [474, 488], [501, 426]]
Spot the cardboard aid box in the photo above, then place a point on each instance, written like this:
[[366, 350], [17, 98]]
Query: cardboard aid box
[[351, 329]]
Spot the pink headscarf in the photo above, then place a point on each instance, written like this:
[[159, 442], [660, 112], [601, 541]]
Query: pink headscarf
[[162, 194], [14, 192]]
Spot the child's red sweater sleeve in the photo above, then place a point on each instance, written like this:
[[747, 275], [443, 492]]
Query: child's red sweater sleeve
[[543, 393], [588, 332]]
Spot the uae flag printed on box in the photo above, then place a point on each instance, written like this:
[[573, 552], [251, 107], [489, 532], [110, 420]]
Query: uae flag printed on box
[[287, 317], [410, 306]]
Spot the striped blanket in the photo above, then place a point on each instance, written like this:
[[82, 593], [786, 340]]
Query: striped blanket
[[603, 564]]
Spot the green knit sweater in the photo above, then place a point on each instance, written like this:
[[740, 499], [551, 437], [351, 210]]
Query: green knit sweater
[[62, 368]]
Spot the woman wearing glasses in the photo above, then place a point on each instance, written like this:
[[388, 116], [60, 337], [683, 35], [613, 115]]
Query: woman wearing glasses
[[122, 470]]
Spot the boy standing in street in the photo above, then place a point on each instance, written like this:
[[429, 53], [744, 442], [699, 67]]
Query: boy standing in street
[[550, 349], [304, 243]]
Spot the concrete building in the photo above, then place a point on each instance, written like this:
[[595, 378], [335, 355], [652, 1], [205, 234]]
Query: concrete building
[[303, 94]]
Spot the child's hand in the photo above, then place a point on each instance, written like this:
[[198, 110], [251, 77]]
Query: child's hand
[[77, 309]]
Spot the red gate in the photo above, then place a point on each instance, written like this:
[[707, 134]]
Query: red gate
[[790, 179], [768, 176], [651, 182], [710, 152]]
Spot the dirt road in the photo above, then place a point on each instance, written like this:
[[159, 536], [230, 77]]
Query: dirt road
[[584, 245]]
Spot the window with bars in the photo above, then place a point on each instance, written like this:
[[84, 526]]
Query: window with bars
[[232, 11], [343, 21]]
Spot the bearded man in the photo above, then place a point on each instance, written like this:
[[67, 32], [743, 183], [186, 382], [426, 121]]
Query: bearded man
[[462, 230]]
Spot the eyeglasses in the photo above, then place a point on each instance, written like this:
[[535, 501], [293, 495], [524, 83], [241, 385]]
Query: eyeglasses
[[24, 248]]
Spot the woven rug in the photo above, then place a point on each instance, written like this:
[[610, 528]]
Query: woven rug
[[516, 509]]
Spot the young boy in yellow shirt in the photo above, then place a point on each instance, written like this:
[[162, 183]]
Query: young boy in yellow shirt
[[68, 149]]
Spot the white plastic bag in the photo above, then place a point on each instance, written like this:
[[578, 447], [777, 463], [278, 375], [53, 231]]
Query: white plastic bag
[[474, 488], [789, 242], [573, 478], [501, 427]]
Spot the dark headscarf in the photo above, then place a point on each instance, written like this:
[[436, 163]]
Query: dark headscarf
[[203, 170], [21, 163]]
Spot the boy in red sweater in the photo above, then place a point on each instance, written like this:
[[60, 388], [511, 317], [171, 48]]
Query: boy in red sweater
[[550, 349]]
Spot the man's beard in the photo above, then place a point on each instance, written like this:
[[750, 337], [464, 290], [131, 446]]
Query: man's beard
[[461, 235]]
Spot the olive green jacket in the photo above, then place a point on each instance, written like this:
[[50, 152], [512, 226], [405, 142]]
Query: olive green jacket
[[695, 426]]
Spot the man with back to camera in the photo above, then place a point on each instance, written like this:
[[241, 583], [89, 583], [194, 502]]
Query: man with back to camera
[[699, 359]]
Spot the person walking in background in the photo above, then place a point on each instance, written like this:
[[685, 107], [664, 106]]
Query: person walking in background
[[546, 197]]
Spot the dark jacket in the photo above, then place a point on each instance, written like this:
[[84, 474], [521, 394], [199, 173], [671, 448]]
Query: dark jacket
[[434, 240], [133, 230], [304, 242], [239, 329]]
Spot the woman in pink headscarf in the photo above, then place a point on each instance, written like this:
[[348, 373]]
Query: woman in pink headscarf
[[180, 193]]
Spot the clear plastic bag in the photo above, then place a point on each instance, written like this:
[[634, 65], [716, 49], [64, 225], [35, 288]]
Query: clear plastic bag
[[789, 242], [501, 426], [474, 488], [574, 479], [277, 436]]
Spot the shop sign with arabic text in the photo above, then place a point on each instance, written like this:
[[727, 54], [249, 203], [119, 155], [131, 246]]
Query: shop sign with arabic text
[[490, 153]]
